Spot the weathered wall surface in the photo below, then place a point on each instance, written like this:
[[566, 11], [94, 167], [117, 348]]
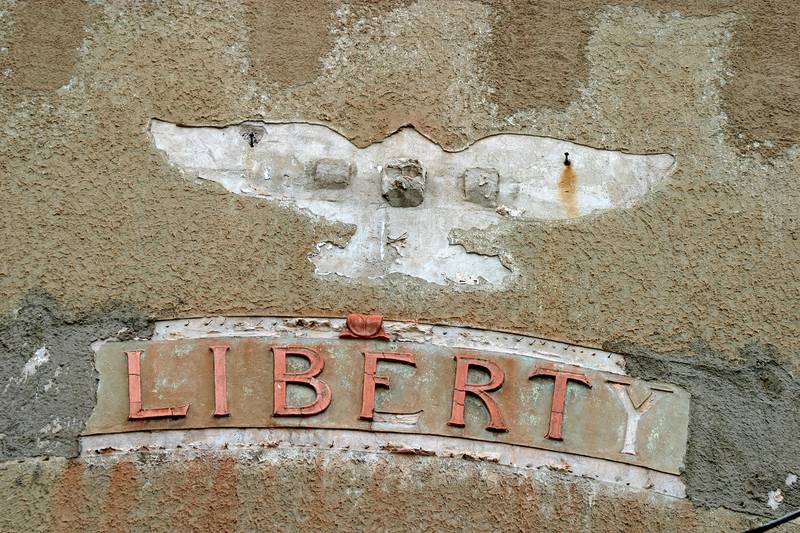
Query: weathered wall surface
[[291, 490], [698, 282], [49, 376]]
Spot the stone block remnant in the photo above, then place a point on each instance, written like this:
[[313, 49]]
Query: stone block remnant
[[332, 173], [481, 186], [403, 182]]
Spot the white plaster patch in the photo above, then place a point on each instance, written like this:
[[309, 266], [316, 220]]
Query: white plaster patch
[[791, 479], [281, 162], [774, 498], [263, 440], [40, 357], [401, 332], [52, 427]]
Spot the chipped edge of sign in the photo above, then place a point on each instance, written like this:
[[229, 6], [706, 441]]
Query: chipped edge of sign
[[401, 332], [232, 439]]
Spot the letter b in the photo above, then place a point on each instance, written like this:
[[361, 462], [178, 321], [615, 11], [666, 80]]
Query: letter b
[[306, 377]]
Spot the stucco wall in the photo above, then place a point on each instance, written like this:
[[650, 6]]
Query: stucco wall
[[302, 490], [698, 284]]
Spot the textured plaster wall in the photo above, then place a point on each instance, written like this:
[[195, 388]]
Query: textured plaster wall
[[710, 257], [703, 271], [301, 490]]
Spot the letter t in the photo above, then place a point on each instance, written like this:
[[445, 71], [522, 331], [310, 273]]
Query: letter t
[[559, 394]]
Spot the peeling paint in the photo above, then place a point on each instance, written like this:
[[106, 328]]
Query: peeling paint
[[428, 193], [208, 440], [702, 266], [744, 418], [401, 332]]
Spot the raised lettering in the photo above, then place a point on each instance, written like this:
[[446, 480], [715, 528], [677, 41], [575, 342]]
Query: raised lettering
[[481, 390], [220, 380], [559, 395], [306, 377], [135, 411], [373, 380], [634, 409]]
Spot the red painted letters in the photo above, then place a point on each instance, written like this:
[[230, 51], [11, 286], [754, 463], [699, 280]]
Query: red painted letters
[[559, 394], [220, 380], [482, 390], [307, 377], [135, 411], [372, 380], [423, 384]]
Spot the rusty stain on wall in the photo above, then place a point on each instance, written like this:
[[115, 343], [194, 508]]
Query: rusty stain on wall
[[567, 186], [81, 168], [703, 269], [272, 487], [119, 496], [424, 198], [67, 510]]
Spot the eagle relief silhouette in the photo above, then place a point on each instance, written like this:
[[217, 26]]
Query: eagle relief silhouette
[[406, 194]]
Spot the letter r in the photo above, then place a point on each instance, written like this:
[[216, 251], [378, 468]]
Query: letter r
[[481, 390]]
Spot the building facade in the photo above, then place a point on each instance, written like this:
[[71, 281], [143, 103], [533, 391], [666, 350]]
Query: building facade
[[399, 265]]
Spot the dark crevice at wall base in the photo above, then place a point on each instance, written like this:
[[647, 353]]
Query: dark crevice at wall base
[[48, 382], [744, 427]]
